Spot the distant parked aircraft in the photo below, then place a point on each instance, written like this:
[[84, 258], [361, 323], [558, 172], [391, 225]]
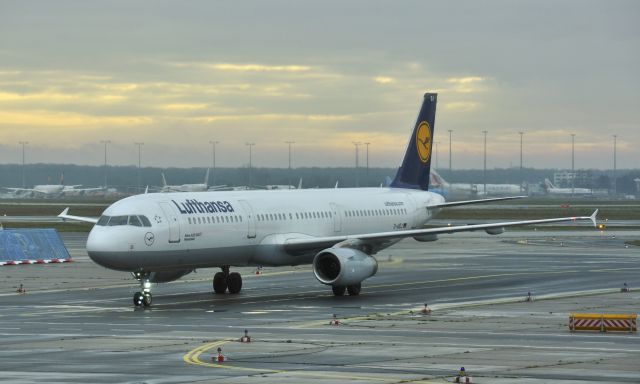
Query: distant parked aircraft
[[465, 190], [553, 190], [53, 190]]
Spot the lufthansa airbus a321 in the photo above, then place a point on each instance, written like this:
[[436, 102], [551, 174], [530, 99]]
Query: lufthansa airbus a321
[[160, 237]]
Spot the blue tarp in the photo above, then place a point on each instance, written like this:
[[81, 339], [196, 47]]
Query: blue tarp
[[31, 244]]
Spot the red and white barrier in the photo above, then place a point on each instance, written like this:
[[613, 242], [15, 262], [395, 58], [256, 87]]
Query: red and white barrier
[[39, 261], [603, 322]]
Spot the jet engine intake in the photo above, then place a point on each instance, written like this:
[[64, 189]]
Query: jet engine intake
[[343, 266], [495, 231], [167, 276]]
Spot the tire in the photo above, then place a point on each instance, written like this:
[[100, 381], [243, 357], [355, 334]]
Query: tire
[[146, 299], [354, 290], [137, 299], [338, 290], [234, 282], [219, 283]]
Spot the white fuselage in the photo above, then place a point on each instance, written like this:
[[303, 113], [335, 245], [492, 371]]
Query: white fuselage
[[209, 229]]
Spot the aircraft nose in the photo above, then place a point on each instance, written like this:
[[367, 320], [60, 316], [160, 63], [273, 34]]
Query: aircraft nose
[[103, 250]]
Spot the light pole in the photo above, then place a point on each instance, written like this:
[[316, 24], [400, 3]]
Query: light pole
[[23, 143], [521, 178], [105, 142], [357, 145], [615, 186], [289, 143], [139, 145], [213, 158], [250, 145], [573, 173], [367, 144], [450, 173], [484, 173]]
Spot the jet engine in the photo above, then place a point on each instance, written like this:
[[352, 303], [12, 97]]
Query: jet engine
[[495, 231], [343, 266], [167, 276]]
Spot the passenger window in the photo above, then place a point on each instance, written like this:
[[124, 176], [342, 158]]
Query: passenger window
[[226, 218], [133, 220], [103, 220], [241, 219]]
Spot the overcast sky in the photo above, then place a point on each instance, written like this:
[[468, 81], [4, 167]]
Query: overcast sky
[[325, 74]]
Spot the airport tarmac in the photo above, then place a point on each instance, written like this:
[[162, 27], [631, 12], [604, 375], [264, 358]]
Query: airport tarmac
[[76, 323]]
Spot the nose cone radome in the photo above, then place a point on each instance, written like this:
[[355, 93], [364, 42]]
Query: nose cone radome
[[103, 248]]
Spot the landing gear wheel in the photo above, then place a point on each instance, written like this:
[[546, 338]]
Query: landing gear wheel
[[234, 282], [146, 299], [219, 282], [137, 299], [354, 290], [338, 290]]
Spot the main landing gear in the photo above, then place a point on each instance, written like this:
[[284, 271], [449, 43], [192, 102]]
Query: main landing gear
[[142, 298], [227, 280], [353, 290]]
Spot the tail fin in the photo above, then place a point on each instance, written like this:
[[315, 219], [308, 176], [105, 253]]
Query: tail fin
[[414, 171], [548, 185], [164, 181], [206, 178]]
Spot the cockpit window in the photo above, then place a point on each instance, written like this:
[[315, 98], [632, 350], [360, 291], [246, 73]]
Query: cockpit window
[[145, 221], [118, 220], [135, 220], [103, 220]]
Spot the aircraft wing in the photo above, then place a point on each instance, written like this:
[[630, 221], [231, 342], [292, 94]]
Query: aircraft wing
[[64, 216], [468, 202], [300, 244]]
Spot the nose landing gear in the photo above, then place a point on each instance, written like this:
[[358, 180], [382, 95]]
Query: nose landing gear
[[142, 298], [227, 280]]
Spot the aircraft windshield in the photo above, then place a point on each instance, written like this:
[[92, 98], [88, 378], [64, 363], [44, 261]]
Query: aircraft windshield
[[135, 220]]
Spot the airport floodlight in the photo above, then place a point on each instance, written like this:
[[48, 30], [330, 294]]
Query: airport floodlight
[[521, 177], [573, 169], [450, 131], [615, 184], [139, 145], [213, 158], [357, 145], [23, 143], [105, 142], [289, 143], [367, 144], [250, 145], [484, 173]]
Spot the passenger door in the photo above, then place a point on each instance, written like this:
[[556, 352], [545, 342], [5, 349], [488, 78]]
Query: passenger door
[[174, 223], [251, 222], [337, 219]]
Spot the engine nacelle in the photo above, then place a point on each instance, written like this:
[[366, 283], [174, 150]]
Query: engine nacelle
[[425, 238], [343, 266], [495, 231], [167, 276]]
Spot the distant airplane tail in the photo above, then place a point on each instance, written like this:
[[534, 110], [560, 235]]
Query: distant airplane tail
[[206, 178], [548, 184], [438, 180], [164, 181], [414, 171]]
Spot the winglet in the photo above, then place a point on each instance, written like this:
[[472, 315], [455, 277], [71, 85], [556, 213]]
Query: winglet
[[64, 213], [593, 218]]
